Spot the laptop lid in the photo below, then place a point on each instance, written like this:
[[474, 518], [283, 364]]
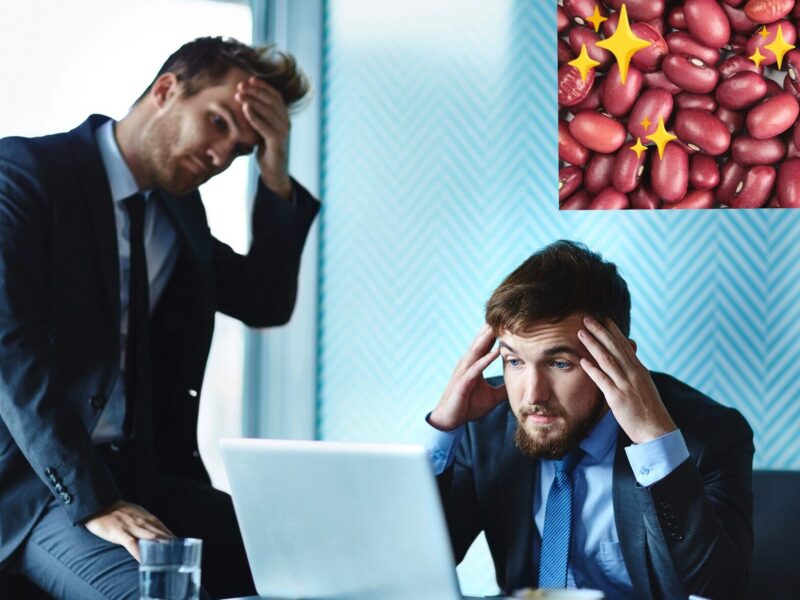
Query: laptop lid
[[340, 520]]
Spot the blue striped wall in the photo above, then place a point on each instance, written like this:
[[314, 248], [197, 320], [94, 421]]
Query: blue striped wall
[[439, 177]]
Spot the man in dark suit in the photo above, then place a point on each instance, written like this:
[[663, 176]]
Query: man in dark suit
[[109, 283], [583, 468]]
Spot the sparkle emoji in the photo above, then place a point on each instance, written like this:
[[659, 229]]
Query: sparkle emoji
[[645, 123], [583, 63], [596, 19], [638, 147], [623, 44], [779, 46], [661, 137], [763, 32], [757, 57]]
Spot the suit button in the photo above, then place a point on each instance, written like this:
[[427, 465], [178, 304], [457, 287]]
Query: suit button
[[196, 453], [49, 472], [95, 401], [193, 393], [59, 488], [66, 497]]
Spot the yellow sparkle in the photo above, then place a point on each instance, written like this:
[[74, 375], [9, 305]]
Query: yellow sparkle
[[596, 18], [779, 46], [623, 44], [638, 147], [757, 57], [661, 137], [763, 32], [645, 123], [584, 63]]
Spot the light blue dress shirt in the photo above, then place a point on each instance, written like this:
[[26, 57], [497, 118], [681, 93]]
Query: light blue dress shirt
[[160, 242], [595, 556]]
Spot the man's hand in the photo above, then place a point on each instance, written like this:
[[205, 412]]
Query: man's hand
[[266, 112], [626, 383], [125, 524], [468, 396]]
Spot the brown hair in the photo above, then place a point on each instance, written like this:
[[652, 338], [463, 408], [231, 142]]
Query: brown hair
[[205, 62], [555, 282]]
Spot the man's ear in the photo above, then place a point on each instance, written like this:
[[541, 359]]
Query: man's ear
[[164, 88], [633, 345]]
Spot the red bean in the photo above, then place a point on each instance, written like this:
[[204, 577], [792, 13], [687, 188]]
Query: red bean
[[628, 169], [703, 172], [562, 20], [644, 198], [738, 64], [695, 199], [750, 151], [579, 10], [653, 104], [598, 132], [569, 180], [599, 172], [701, 101], [690, 74], [756, 188], [564, 53], [738, 19], [773, 116], [796, 135], [659, 81], [640, 10], [731, 175], [669, 175], [656, 24], [683, 43], [610, 199], [649, 59], [757, 41], [707, 22], [733, 120], [610, 26], [767, 11], [571, 88], [578, 36], [793, 69], [701, 130], [618, 98], [578, 201], [791, 150], [593, 100], [742, 90], [773, 89], [789, 183], [569, 149], [677, 18]]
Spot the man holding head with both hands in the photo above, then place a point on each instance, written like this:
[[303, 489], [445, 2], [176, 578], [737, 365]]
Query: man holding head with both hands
[[583, 468], [109, 284]]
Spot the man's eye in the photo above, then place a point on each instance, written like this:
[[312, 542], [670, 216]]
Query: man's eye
[[218, 122], [513, 362], [560, 364]]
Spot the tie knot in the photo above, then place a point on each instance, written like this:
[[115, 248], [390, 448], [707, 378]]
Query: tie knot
[[565, 465]]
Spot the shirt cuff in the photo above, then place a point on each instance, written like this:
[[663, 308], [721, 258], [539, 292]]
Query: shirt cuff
[[441, 445], [654, 460]]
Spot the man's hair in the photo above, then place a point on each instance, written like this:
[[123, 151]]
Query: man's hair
[[555, 282], [206, 61]]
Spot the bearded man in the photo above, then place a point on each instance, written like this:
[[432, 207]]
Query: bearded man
[[583, 468], [109, 284]]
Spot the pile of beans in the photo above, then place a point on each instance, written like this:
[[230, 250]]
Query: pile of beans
[[738, 140]]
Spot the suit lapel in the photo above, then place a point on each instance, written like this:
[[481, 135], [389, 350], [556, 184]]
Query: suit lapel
[[629, 518], [188, 217], [97, 196], [517, 480]]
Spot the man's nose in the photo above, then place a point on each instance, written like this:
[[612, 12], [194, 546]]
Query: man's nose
[[220, 154], [537, 388]]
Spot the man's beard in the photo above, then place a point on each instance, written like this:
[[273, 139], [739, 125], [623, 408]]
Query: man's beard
[[552, 446], [158, 159]]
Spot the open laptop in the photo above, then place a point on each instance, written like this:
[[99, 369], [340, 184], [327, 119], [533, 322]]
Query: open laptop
[[340, 520]]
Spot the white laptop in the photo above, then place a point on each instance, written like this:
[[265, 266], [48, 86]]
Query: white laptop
[[340, 520]]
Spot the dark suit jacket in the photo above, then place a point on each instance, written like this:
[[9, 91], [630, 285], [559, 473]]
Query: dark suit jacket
[[690, 533], [59, 321]]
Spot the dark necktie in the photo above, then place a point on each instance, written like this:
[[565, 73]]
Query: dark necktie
[[554, 555], [137, 351]]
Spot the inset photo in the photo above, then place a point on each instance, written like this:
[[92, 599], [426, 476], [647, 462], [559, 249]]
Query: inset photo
[[678, 104]]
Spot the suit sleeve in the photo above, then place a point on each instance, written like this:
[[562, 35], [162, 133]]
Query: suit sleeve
[[701, 513], [459, 499], [33, 402], [260, 288]]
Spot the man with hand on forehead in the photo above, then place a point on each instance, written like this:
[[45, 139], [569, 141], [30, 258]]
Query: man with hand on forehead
[[109, 284], [583, 468]]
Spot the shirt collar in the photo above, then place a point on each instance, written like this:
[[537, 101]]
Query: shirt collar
[[602, 437], [120, 179]]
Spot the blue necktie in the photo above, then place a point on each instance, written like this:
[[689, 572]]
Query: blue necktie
[[554, 554]]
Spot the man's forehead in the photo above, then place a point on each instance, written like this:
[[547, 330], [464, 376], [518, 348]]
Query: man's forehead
[[544, 336]]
